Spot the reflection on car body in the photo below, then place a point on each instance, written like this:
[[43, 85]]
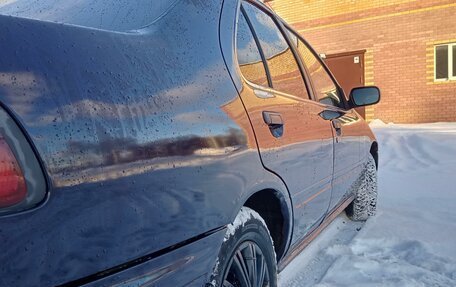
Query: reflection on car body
[[143, 135]]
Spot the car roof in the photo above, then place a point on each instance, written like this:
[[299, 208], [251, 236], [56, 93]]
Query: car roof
[[119, 15]]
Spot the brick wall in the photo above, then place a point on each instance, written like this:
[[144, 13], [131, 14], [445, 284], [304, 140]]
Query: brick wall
[[399, 38]]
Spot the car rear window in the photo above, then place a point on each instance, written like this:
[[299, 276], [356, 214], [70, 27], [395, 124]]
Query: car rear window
[[119, 15]]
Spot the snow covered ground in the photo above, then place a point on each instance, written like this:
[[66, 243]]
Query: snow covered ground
[[412, 239]]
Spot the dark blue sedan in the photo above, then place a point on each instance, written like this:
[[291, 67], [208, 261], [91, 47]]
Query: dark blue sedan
[[169, 143]]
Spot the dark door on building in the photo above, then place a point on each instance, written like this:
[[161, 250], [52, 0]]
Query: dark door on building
[[348, 68]]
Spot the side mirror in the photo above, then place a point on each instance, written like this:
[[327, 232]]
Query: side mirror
[[364, 96]]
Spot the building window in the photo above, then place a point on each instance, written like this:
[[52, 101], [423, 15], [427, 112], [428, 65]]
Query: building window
[[445, 62]]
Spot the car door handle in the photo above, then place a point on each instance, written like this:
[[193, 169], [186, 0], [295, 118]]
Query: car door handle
[[330, 114], [272, 119], [275, 123]]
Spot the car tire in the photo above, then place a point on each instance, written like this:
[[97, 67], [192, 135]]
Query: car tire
[[247, 254], [365, 202]]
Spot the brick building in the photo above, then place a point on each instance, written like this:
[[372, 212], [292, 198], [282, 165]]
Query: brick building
[[403, 46]]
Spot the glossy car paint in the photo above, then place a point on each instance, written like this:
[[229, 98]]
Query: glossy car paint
[[348, 147], [146, 143], [142, 136], [176, 268], [303, 156]]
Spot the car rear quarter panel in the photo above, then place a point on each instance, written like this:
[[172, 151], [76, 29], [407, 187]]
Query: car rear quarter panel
[[142, 135]]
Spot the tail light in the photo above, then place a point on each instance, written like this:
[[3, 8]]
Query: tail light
[[22, 182], [13, 189]]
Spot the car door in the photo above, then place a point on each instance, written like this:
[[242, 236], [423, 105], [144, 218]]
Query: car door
[[294, 141], [346, 123]]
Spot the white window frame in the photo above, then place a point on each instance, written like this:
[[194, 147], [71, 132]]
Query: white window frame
[[450, 63]]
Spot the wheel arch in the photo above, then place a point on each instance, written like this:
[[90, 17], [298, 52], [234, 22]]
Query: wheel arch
[[374, 152], [275, 208]]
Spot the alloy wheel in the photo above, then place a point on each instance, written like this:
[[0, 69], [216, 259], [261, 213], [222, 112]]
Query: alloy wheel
[[247, 267]]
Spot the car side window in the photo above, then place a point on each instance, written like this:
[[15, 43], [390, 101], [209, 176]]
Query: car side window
[[284, 70], [324, 87], [249, 57]]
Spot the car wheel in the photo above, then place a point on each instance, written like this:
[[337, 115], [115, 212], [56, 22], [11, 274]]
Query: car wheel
[[247, 256], [365, 202]]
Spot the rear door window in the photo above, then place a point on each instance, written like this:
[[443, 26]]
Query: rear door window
[[325, 90], [284, 70], [249, 57]]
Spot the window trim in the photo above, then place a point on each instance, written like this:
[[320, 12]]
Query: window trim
[[340, 91], [279, 24], [302, 68], [257, 42], [450, 56]]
